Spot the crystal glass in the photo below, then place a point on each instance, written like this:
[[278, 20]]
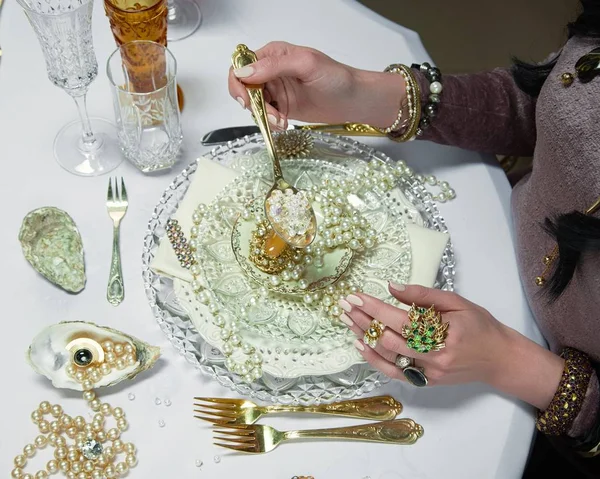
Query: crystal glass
[[64, 29], [142, 75], [184, 18]]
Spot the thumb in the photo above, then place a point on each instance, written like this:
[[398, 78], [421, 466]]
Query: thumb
[[425, 297], [297, 65]]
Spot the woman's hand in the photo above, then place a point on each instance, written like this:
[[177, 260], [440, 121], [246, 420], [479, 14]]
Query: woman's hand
[[478, 347], [304, 84]]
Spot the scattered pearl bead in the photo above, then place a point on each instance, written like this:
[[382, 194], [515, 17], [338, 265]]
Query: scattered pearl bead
[[217, 459], [131, 396], [199, 463], [161, 423], [157, 401]]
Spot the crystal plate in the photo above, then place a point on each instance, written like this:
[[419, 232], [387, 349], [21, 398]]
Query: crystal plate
[[414, 204]]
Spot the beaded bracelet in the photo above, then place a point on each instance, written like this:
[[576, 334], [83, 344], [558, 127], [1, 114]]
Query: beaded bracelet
[[558, 417], [434, 76], [413, 99]]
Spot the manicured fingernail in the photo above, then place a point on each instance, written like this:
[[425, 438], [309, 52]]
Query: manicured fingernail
[[358, 345], [355, 300], [272, 119], [397, 287], [244, 72], [241, 101], [345, 305], [344, 318], [281, 123]]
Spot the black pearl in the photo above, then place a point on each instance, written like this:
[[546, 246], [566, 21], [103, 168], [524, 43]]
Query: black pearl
[[424, 123], [83, 357], [434, 98], [431, 109], [425, 66], [432, 77]]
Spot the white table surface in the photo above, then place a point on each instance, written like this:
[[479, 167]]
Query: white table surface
[[470, 431]]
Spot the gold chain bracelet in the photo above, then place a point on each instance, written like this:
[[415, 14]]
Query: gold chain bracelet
[[413, 96]]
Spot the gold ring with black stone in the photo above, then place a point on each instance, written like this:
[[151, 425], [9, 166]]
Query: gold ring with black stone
[[413, 374]]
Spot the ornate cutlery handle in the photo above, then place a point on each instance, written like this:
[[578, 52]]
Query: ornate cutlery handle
[[241, 58], [116, 289], [399, 431], [348, 129], [379, 408]]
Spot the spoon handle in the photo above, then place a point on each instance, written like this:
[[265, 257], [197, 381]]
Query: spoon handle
[[240, 58]]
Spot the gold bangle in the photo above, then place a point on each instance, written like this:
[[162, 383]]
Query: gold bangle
[[558, 417], [400, 122], [413, 96]]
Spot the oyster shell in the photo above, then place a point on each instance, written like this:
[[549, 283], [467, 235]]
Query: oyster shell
[[52, 244], [48, 353]]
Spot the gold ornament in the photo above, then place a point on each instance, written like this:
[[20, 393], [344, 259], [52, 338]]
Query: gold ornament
[[294, 144], [426, 331]]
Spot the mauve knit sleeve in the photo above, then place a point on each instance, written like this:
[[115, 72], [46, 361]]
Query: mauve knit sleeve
[[485, 112]]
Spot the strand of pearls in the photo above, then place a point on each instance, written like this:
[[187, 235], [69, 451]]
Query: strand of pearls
[[342, 225], [83, 450]]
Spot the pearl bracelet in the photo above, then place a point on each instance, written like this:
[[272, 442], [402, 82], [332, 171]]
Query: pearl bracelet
[[434, 76]]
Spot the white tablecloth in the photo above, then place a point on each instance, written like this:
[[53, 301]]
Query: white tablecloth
[[470, 431]]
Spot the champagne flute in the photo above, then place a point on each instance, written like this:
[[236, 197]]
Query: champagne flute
[[85, 147], [183, 18]]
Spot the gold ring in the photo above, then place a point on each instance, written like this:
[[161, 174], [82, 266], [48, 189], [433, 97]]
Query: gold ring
[[373, 333], [426, 332]]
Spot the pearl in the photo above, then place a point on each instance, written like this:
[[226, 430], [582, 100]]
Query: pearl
[[73, 456], [82, 475], [45, 407], [60, 453], [27, 476], [122, 424], [76, 467], [41, 442], [36, 416], [113, 434], [105, 369], [110, 357], [131, 460], [110, 452], [52, 466], [44, 426], [60, 441], [88, 466], [108, 346], [161, 423], [106, 409], [109, 471], [435, 87], [16, 473], [87, 385], [94, 405], [97, 474], [130, 448], [64, 466], [20, 460], [71, 475], [41, 475]]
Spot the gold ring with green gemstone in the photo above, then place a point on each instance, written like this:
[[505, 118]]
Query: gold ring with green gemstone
[[373, 333], [426, 331]]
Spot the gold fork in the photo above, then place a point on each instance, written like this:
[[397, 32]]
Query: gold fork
[[116, 203], [241, 411], [257, 438]]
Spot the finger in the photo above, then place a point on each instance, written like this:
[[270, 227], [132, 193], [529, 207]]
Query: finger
[[390, 343], [422, 296], [274, 117], [363, 308], [237, 90], [384, 353], [297, 64], [386, 367]]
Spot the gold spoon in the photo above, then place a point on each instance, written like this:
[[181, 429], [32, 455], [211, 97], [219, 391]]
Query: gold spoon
[[240, 58]]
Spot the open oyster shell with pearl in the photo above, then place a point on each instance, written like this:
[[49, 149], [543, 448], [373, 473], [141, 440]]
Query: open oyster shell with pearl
[[63, 350]]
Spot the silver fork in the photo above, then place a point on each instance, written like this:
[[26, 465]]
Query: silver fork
[[116, 203]]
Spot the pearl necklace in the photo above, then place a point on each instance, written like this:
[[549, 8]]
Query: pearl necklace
[[80, 447], [241, 357]]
